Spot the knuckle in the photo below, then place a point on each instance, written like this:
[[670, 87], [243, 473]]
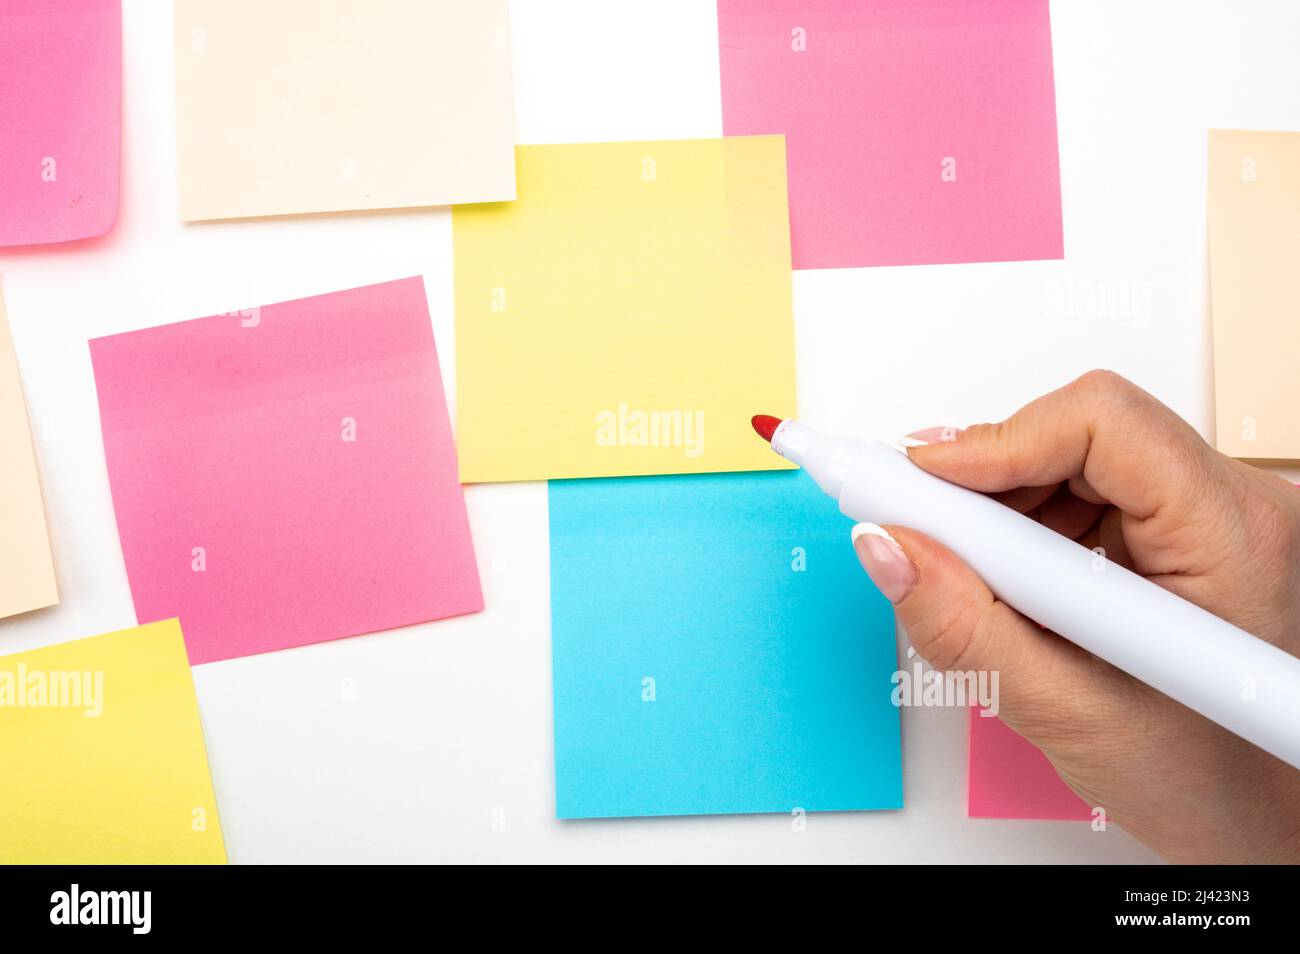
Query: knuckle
[[945, 636], [1101, 382], [1110, 396], [1115, 406], [1005, 437]]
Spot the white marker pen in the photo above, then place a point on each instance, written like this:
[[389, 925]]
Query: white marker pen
[[1246, 685]]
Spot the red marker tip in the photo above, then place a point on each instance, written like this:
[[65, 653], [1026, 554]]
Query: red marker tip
[[765, 425]]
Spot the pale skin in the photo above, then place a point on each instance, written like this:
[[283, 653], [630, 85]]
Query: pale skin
[[1108, 465]]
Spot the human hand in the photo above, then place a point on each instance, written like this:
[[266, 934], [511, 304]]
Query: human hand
[[1108, 465]]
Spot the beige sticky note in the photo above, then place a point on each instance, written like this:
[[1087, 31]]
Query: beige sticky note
[[303, 106], [1253, 228], [26, 567]]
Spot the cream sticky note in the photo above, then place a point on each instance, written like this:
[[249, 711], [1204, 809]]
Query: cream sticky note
[[60, 119], [628, 314], [1253, 229], [286, 475], [303, 106], [104, 755], [1010, 778], [918, 133], [26, 567]]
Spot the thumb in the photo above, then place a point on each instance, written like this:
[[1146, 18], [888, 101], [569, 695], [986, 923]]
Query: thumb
[[955, 623]]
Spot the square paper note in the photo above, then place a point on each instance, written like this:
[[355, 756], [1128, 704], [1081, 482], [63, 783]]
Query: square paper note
[[628, 315], [60, 119], [104, 755], [286, 475], [325, 105], [1011, 778], [26, 567], [1254, 245], [716, 649], [918, 133]]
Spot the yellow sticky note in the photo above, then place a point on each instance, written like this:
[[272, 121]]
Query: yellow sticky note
[[26, 567], [628, 314], [1253, 227], [303, 106], [104, 761]]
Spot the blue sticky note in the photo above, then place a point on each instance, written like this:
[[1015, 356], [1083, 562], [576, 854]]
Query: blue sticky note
[[716, 649]]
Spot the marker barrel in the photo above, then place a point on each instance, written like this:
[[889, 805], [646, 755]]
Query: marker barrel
[[1235, 679]]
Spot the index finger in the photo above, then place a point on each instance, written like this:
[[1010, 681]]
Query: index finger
[[1100, 429]]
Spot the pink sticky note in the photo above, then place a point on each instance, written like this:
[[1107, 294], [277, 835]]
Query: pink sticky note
[[916, 133], [60, 119], [286, 475], [1011, 778]]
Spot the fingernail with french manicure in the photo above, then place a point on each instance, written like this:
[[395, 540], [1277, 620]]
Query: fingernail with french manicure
[[931, 435], [884, 561]]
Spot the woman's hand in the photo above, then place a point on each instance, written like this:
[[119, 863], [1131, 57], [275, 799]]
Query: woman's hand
[[1106, 464]]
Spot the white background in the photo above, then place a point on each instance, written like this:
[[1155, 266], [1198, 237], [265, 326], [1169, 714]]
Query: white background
[[450, 729]]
